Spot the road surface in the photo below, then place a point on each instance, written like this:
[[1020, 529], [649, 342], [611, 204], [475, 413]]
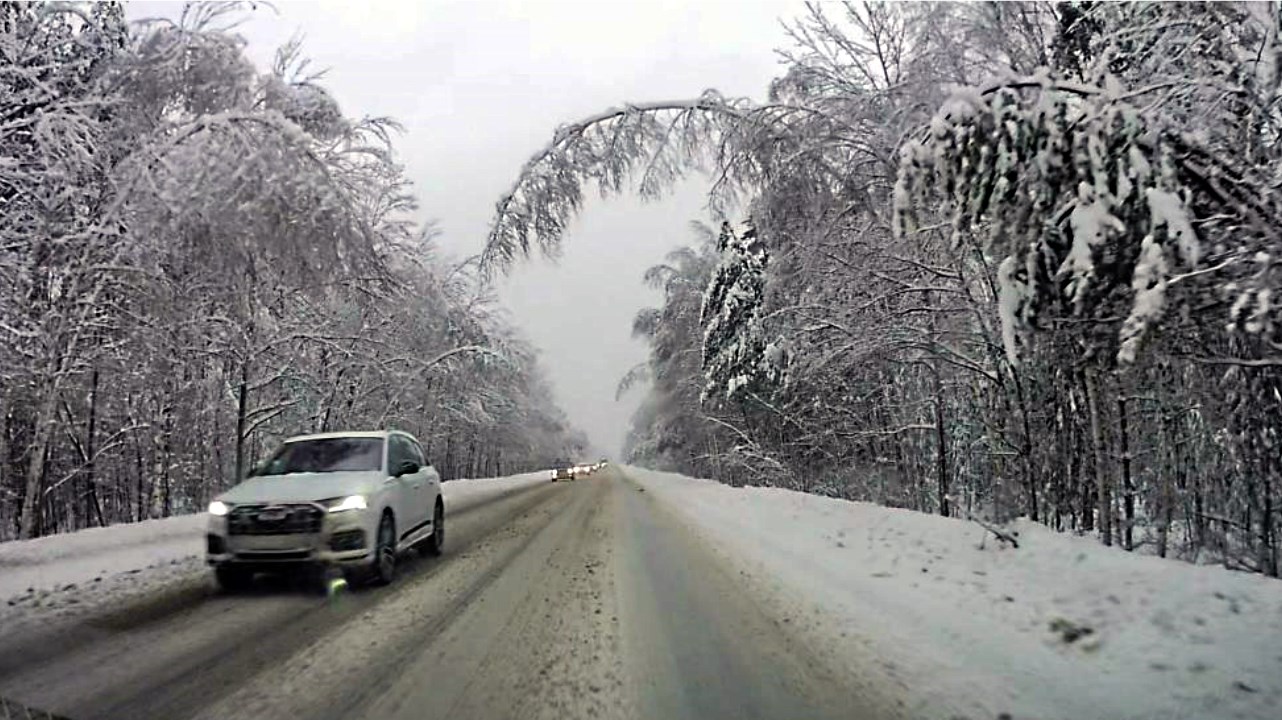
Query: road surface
[[569, 600]]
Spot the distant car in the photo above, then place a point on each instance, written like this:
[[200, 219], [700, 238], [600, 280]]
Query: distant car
[[562, 473], [351, 500]]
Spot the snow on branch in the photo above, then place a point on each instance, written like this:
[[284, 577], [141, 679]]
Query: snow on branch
[[639, 373], [1086, 196], [660, 141]]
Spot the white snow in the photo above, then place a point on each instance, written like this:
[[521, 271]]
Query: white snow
[[968, 627], [462, 494], [1169, 210], [45, 564], [1149, 283], [1092, 221], [1011, 296], [38, 572]]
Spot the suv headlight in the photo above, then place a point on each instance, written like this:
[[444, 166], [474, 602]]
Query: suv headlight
[[218, 508], [351, 502]]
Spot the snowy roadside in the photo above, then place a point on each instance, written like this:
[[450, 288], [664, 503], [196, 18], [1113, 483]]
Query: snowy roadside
[[67, 572], [462, 494], [1061, 627], [51, 571]]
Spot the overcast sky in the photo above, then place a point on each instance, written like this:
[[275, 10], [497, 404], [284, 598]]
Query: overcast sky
[[480, 86]]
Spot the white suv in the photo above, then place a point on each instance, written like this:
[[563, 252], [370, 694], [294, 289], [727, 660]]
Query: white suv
[[352, 500]]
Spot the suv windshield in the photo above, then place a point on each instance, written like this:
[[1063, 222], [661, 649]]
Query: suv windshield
[[326, 455]]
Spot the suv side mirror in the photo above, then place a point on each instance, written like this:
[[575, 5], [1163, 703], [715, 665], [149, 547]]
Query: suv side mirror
[[408, 467]]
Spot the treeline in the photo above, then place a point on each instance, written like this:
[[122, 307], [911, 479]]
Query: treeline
[[198, 258], [995, 259]]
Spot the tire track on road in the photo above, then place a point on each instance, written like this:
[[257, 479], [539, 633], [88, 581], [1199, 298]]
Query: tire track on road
[[181, 656], [351, 668]]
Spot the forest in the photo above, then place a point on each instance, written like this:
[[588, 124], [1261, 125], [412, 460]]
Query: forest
[[985, 260], [199, 258]]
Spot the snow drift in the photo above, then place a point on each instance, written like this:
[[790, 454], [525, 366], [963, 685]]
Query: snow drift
[[968, 626]]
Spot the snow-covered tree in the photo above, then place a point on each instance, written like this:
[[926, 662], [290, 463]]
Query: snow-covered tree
[[1013, 247], [199, 258], [58, 234], [669, 430], [737, 358]]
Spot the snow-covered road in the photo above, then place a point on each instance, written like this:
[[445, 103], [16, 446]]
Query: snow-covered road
[[583, 599], [61, 573], [635, 594]]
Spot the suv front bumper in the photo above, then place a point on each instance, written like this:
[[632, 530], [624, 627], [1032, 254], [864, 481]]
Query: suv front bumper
[[343, 540]]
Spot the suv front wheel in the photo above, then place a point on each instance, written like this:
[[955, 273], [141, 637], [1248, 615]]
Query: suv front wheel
[[435, 545], [383, 567], [233, 579]]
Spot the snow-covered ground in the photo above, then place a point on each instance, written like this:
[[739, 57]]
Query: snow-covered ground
[[51, 572], [966, 626], [462, 494], [32, 570]]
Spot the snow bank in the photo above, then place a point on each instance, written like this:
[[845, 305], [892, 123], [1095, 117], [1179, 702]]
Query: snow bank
[[30, 570], [462, 494], [1061, 627], [31, 567]]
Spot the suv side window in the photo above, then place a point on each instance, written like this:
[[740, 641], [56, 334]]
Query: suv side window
[[416, 452], [395, 453]]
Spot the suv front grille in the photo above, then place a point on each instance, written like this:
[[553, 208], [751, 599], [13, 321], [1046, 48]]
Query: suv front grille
[[274, 519]]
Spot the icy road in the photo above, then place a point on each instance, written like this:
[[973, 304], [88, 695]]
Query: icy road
[[567, 600]]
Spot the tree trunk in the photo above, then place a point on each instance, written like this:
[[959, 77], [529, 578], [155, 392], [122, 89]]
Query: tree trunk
[[45, 421], [91, 463], [46, 512], [242, 401], [6, 420], [1030, 484], [322, 409], [1166, 500], [1199, 512], [1268, 558], [141, 469], [1081, 484], [219, 466], [941, 449], [1128, 499], [1101, 474]]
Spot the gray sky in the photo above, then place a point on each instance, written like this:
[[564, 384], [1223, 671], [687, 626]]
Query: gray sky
[[480, 85]]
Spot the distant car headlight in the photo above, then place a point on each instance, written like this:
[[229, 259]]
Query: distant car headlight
[[351, 502], [219, 508]]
